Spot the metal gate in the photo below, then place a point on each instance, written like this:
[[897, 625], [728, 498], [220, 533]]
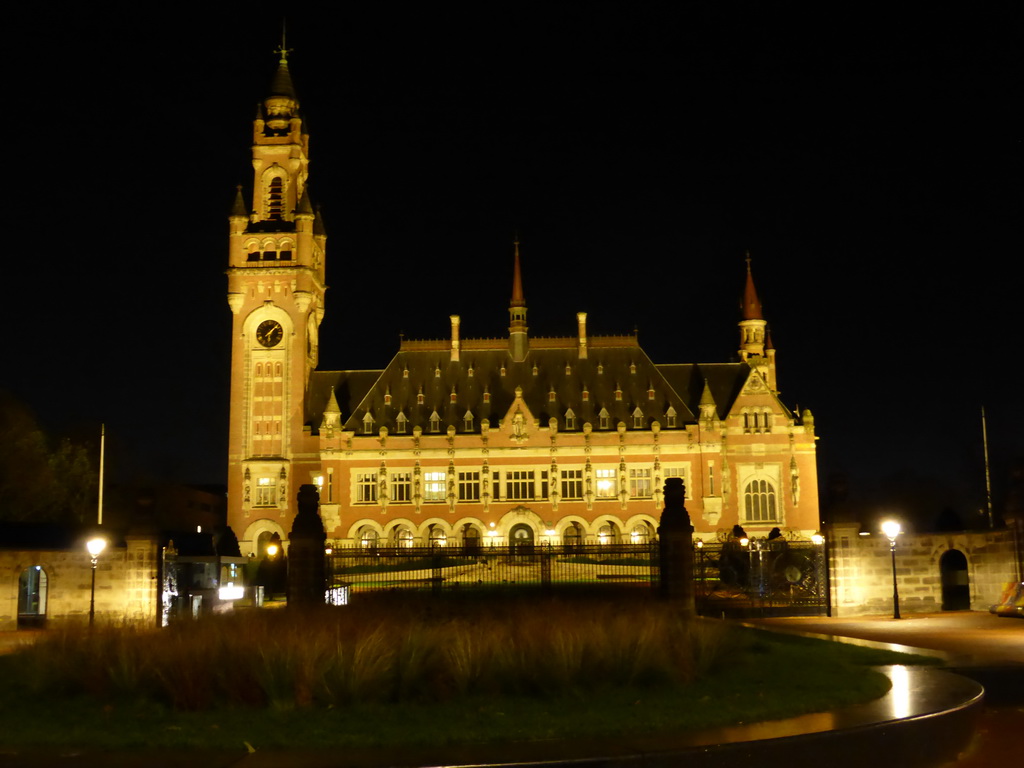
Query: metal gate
[[760, 577]]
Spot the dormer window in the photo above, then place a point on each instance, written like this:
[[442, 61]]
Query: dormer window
[[368, 424], [454, 397], [470, 372], [536, 370], [650, 393], [570, 419], [487, 396], [604, 419], [502, 371], [568, 369], [551, 395], [586, 394], [632, 367], [670, 417], [435, 422], [600, 368], [638, 419], [467, 422], [387, 397], [618, 392], [405, 373], [419, 397], [437, 372], [400, 422]]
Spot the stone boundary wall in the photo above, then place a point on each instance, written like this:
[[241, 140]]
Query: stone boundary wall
[[861, 569], [127, 583]]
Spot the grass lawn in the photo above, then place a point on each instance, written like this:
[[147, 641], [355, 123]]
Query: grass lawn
[[396, 674]]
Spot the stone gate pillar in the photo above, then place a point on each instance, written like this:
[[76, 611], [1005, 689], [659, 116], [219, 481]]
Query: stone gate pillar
[[675, 544], [307, 581]]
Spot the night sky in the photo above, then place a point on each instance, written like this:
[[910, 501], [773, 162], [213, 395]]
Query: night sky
[[871, 165]]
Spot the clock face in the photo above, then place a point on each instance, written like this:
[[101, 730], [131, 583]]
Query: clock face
[[269, 333]]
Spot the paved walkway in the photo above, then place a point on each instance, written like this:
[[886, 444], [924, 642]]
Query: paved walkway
[[927, 717], [962, 638]]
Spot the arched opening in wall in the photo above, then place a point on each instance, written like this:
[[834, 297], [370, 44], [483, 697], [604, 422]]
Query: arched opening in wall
[[471, 538], [32, 597], [521, 539], [436, 537], [608, 534], [368, 537], [401, 536], [956, 586], [572, 537], [641, 534], [262, 542]]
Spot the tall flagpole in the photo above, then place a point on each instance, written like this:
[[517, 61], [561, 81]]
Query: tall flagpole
[[99, 506], [988, 474]]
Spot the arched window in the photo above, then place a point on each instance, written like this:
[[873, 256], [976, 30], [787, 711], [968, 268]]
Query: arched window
[[759, 500], [608, 534], [641, 534], [275, 199], [367, 538]]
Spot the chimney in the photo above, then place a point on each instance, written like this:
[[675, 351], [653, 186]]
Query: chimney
[[581, 319]]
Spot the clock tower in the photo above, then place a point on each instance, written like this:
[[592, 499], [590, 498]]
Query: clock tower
[[276, 295]]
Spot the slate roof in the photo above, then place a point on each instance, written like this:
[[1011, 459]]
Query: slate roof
[[551, 366]]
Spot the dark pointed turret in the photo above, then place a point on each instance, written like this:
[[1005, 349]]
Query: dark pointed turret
[[751, 307]]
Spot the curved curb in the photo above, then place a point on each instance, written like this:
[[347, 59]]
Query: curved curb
[[925, 720]]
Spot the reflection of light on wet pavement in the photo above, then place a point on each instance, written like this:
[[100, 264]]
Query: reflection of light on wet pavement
[[900, 692]]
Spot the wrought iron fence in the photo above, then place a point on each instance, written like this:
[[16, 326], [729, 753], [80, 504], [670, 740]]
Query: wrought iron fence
[[780, 576], [476, 567]]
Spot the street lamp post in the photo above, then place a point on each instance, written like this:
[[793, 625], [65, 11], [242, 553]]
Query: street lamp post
[[94, 546], [891, 529]]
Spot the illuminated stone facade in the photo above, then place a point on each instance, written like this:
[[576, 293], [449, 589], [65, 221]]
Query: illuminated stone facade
[[505, 440]]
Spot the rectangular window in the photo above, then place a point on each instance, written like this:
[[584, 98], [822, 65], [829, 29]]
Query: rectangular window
[[606, 483], [668, 472], [401, 487], [433, 486], [572, 484], [469, 486], [330, 486], [266, 492], [519, 484], [543, 493], [640, 483], [366, 487]]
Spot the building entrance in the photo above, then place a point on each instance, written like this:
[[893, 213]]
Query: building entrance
[[956, 586]]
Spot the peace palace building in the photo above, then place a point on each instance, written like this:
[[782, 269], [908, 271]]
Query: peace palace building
[[479, 441]]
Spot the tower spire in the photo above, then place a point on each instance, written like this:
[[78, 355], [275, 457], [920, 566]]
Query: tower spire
[[755, 342], [517, 279], [752, 323], [518, 342], [751, 304]]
